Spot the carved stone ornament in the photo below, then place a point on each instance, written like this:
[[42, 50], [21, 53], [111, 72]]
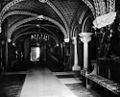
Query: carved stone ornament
[[104, 20]]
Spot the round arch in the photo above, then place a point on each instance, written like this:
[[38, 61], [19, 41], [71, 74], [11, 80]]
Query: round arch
[[87, 24], [50, 33], [28, 33], [34, 25], [41, 17], [14, 2], [80, 20], [17, 13]]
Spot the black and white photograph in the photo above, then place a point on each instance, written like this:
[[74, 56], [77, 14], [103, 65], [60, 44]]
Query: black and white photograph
[[59, 48]]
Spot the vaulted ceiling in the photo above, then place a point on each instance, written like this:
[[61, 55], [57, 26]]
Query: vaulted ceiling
[[57, 18]]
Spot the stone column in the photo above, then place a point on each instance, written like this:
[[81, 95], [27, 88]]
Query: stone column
[[75, 67], [85, 38]]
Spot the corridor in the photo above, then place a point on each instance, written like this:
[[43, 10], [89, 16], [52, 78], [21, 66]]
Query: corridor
[[41, 82], [59, 48]]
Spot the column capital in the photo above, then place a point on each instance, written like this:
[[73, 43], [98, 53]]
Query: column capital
[[66, 40], [85, 37], [74, 39]]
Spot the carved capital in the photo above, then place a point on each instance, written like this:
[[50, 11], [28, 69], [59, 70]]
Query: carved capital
[[74, 40], [85, 37], [66, 40]]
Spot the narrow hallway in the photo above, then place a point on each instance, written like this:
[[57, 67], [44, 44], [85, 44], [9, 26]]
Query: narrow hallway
[[59, 48]]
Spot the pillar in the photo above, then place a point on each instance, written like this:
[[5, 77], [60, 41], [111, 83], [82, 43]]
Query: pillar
[[6, 54], [75, 67], [85, 38]]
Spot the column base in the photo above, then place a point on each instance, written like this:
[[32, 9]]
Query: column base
[[88, 86], [76, 68]]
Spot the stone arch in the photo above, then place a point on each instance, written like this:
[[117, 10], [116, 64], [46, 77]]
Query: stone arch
[[41, 17], [89, 17], [34, 25], [80, 16], [17, 13], [90, 5], [35, 32], [12, 3], [32, 33]]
